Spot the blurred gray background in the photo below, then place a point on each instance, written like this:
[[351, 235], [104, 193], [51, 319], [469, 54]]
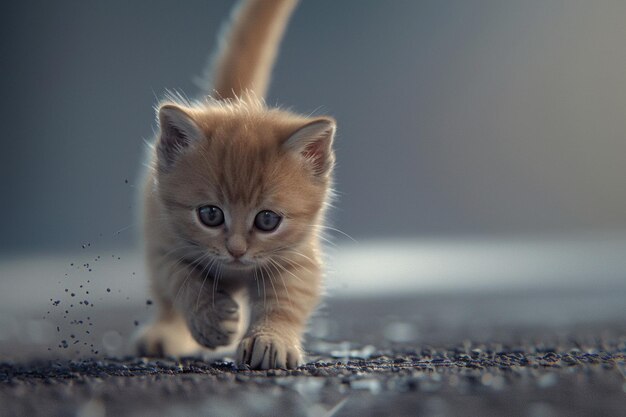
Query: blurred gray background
[[456, 117]]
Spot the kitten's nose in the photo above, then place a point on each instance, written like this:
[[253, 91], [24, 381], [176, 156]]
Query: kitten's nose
[[236, 246]]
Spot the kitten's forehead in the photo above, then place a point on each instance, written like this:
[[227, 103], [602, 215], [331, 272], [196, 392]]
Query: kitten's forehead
[[244, 159]]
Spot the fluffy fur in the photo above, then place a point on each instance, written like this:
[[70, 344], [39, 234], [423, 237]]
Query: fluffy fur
[[236, 286]]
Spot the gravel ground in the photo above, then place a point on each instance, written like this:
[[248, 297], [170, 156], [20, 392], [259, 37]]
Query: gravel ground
[[524, 354]]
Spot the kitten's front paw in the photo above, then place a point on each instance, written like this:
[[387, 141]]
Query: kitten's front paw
[[166, 338], [268, 351], [215, 323]]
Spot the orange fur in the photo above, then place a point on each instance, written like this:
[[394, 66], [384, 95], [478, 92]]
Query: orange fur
[[239, 156], [248, 50]]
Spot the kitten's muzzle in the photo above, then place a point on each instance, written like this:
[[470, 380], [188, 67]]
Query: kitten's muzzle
[[236, 246], [236, 254]]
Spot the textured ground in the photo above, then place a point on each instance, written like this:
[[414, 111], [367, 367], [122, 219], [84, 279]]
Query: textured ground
[[542, 353]]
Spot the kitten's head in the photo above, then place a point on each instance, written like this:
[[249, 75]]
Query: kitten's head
[[243, 184]]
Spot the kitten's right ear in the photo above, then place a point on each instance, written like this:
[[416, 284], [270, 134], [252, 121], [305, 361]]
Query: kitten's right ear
[[178, 131]]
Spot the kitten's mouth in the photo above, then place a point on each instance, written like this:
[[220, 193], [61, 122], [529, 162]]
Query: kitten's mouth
[[239, 263]]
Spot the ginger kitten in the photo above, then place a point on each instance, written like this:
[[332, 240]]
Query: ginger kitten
[[234, 201]]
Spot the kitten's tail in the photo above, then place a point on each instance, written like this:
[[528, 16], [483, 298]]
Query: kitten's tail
[[247, 48]]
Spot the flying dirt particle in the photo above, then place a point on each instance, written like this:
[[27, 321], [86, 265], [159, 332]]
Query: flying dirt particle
[[56, 303], [108, 290], [72, 294], [149, 302], [125, 181], [136, 323], [58, 329]]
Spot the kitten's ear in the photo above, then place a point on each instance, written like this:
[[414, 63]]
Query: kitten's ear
[[313, 142], [178, 130]]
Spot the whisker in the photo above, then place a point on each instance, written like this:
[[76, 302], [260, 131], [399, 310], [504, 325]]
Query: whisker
[[218, 273], [269, 274], [334, 229], [286, 270], [141, 223], [166, 255], [301, 254], [292, 262], [264, 288], [256, 278], [206, 276], [275, 264], [191, 269], [325, 239]]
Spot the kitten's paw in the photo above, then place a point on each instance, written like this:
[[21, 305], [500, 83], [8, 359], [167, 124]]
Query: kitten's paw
[[215, 323], [268, 351], [166, 339]]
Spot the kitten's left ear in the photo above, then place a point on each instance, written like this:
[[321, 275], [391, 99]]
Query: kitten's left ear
[[313, 142]]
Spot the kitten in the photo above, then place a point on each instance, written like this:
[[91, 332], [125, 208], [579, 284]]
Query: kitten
[[234, 200]]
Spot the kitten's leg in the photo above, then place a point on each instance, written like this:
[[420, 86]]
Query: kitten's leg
[[279, 316], [212, 314], [192, 312], [168, 335]]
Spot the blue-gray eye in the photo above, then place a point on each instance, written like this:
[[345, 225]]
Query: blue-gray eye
[[267, 221], [211, 216]]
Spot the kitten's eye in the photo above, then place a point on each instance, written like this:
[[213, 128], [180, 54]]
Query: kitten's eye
[[211, 216], [267, 220]]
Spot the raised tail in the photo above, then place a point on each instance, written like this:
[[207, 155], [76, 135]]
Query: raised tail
[[248, 47]]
